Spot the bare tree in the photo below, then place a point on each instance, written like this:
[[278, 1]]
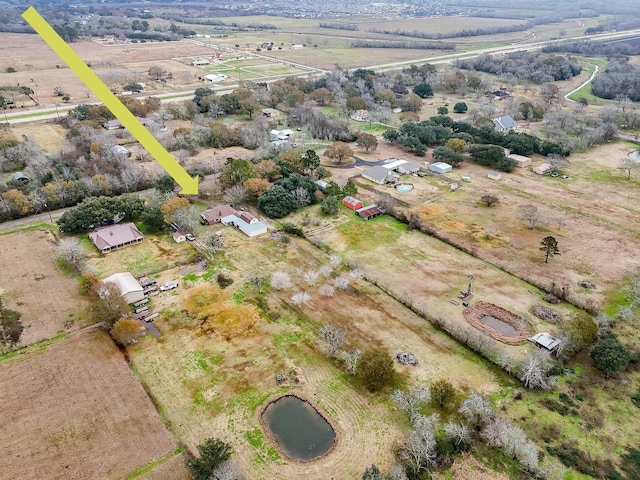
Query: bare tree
[[301, 197], [341, 283], [333, 337], [558, 162], [325, 270], [311, 277], [356, 273], [72, 252], [476, 409], [411, 400], [629, 165], [214, 242], [530, 214], [227, 470], [327, 290], [420, 449], [335, 260], [396, 472], [235, 194], [533, 370], [280, 280], [300, 298], [350, 359], [458, 433], [186, 219]]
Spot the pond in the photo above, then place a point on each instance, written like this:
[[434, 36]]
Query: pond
[[498, 325], [299, 430], [635, 155]]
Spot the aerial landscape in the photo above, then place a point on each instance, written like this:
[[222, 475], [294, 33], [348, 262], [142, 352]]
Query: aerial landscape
[[377, 241]]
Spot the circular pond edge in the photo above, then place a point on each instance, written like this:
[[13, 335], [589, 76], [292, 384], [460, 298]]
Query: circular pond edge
[[474, 314], [267, 432]]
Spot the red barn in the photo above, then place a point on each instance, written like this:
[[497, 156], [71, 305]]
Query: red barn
[[352, 203]]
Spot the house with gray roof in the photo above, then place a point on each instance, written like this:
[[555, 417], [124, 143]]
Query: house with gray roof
[[380, 175], [505, 124]]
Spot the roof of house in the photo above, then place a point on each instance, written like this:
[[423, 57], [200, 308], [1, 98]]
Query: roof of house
[[503, 123], [440, 166], [545, 340], [125, 281], [178, 235], [321, 183], [519, 158], [351, 200], [215, 77], [377, 173], [115, 235], [244, 226], [214, 214], [246, 216], [409, 167]]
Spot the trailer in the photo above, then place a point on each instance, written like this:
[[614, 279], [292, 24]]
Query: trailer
[[141, 302], [151, 317], [141, 309]]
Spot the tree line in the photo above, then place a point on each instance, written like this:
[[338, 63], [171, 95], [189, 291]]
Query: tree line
[[339, 26], [525, 65], [620, 79], [404, 45]]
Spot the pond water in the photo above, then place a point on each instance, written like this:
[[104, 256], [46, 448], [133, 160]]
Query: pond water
[[635, 155], [300, 431], [498, 325]]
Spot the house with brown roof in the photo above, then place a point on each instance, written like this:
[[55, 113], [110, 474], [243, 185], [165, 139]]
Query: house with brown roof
[[215, 214], [113, 237]]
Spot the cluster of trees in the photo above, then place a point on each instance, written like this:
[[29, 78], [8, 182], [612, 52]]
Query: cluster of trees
[[593, 49], [96, 210], [525, 65], [214, 462], [431, 443], [620, 79], [339, 26], [442, 129]]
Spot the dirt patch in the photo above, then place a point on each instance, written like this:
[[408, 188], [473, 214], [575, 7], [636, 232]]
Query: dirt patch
[[479, 311], [267, 431], [74, 410], [468, 467], [28, 265]]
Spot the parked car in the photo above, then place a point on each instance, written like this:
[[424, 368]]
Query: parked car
[[147, 283], [190, 236], [170, 285]]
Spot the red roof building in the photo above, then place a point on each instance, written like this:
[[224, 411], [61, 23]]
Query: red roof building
[[215, 214], [352, 203]]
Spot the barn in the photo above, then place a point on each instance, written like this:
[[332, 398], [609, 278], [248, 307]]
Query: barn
[[372, 211], [352, 202], [521, 160], [440, 167], [129, 287]]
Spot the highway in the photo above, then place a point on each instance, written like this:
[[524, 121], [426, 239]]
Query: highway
[[36, 114]]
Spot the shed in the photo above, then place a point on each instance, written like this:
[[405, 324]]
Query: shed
[[494, 175], [372, 211], [543, 168], [219, 77], [440, 167], [20, 177], [270, 112], [521, 160], [352, 202], [179, 237], [129, 287], [321, 184], [545, 340], [120, 150]]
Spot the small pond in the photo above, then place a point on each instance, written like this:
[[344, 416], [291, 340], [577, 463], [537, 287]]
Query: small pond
[[299, 430], [498, 325], [635, 155]]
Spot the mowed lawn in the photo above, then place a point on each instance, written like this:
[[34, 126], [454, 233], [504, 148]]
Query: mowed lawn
[[74, 410]]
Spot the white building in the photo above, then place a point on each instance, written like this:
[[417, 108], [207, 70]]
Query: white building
[[440, 167], [129, 287], [215, 78]]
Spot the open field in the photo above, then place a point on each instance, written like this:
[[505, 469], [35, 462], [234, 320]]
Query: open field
[[73, 410], [204, 383], [32, 284], [606, 222]]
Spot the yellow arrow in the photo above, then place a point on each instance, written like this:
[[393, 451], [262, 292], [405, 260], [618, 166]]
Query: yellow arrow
[[188, 184]]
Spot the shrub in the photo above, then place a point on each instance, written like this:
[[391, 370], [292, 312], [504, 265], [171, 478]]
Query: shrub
[[223, 280], [547, 314]]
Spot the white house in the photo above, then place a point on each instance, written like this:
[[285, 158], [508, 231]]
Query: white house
[[215, 78], [200, 62], [179, 236], [440, 167], [246, 223], [129, 287], [361, 116]]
